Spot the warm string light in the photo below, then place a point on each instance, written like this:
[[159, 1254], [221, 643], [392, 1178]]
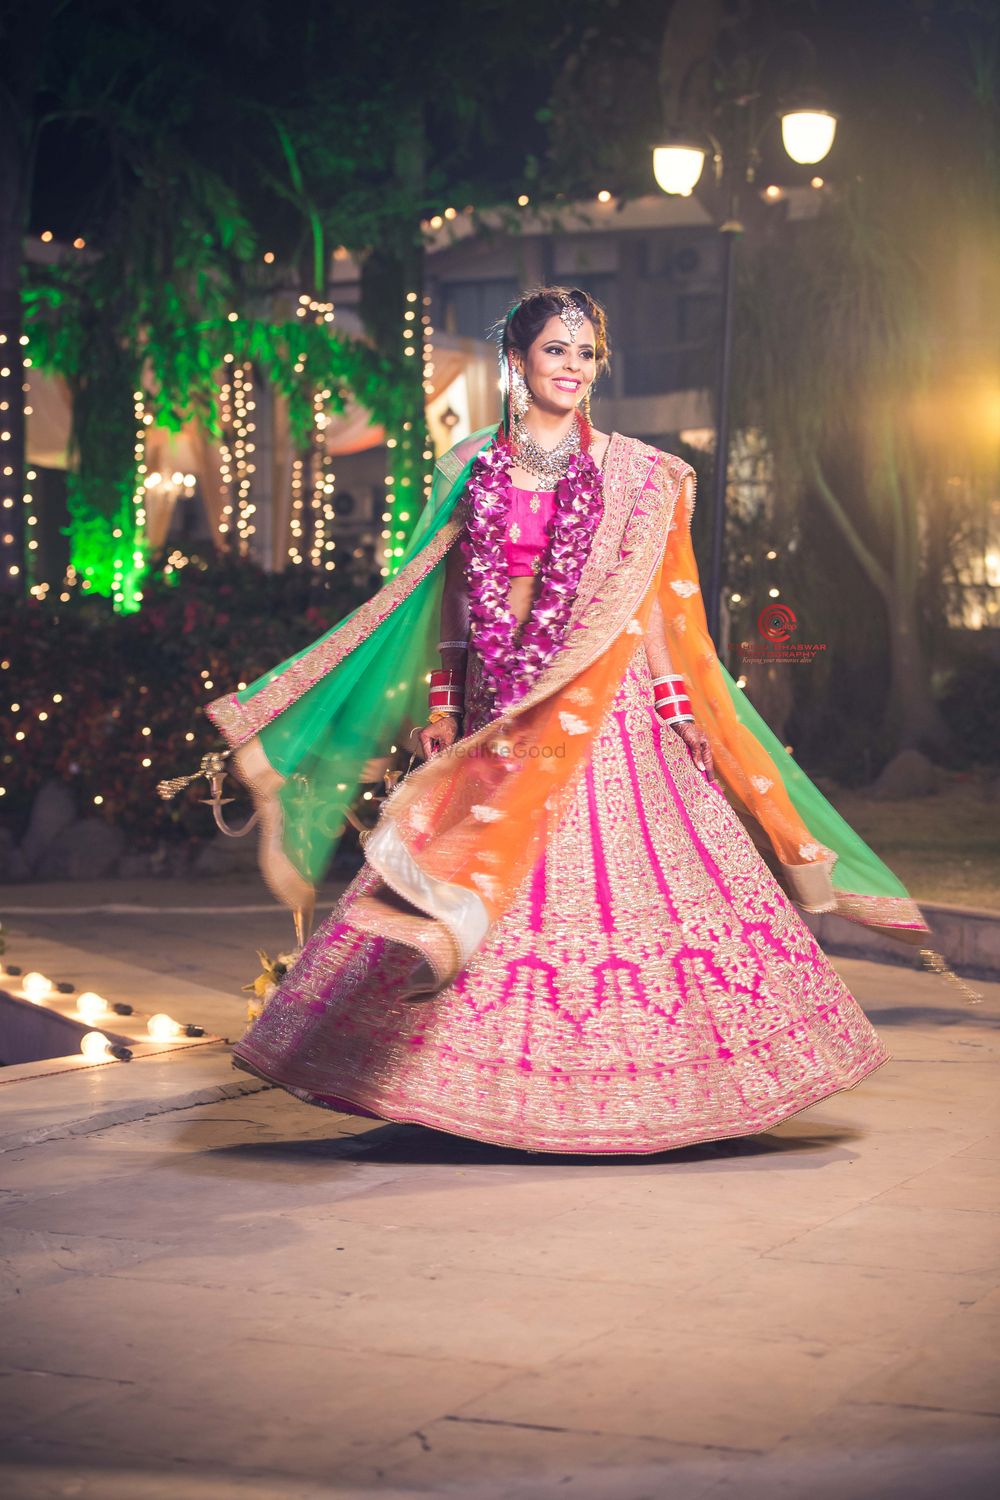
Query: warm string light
[[14, 392], [163, 1028], [323, 482], [37, 987], [130, 556], [410, 452], [236, 449], [176, 560], [427, 453], [322, 312], [71, 580], [96, 1047], [296, 543], [171, 487], [245, 448], [33, 716], [91, 1007], [27, 498], [390, 501], [313, 479], [93, 1010], [225, 473], [437, 221]]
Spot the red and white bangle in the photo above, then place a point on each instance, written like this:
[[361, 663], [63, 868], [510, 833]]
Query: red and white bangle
[[671, 700], [447, 694]]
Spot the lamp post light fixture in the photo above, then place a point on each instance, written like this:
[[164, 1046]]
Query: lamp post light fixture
[[678, 163], [807, 133]]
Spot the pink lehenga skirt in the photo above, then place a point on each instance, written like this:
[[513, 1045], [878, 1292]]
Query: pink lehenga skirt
[[650, 987]]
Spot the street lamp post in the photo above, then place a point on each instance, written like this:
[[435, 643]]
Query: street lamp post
[[807, 135]]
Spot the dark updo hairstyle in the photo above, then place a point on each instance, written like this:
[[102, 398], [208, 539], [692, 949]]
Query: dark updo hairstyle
[[528, 317]]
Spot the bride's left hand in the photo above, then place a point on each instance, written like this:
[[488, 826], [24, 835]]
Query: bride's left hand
[[698, 743]]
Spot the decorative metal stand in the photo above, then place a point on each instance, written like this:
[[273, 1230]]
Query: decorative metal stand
[[214, 769]]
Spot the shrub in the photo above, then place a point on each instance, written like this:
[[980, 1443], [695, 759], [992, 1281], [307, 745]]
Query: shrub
[[98, 693]]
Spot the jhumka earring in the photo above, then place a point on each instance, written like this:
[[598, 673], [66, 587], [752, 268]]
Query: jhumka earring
[[520, 393], [585, 403]]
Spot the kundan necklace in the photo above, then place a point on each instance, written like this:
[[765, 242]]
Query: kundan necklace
[[547, 465], [510, 669]]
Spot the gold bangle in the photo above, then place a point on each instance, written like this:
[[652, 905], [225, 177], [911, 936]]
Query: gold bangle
[[443, 713]]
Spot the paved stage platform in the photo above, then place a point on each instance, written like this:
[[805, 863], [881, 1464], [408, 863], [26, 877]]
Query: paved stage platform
[[211, 1290]]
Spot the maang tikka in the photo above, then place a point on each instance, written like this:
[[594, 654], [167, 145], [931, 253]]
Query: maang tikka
[[572, 317]]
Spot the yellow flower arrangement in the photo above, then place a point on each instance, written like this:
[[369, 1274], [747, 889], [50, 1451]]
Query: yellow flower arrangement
[[263, 987]]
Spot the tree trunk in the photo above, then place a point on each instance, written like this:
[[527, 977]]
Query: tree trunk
[[912, 718], [102, 475], [911, 715]]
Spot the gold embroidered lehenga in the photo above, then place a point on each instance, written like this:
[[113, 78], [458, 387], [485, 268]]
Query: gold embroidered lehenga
[[612, 940]]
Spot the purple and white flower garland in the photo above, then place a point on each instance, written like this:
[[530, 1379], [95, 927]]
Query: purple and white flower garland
[[508, 671]]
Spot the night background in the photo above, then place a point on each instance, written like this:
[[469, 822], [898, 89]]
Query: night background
[[222, 213], [250, 259]]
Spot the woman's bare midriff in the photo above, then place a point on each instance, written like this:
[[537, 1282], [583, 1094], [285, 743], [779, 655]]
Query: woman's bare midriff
[[521, 596]]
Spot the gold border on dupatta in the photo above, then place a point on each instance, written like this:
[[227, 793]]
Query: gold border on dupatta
[[813, 889], [239, 722], [896, 916]]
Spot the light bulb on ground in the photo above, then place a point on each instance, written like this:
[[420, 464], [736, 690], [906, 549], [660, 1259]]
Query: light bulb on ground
[[96, 1047], [163, 1028], [91, 1006], [36, 987]]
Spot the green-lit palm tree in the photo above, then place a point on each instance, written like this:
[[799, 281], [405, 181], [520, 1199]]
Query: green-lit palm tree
[[112, 100], [375, 119]]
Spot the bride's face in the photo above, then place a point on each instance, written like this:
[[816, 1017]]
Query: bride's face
[[558, 370]]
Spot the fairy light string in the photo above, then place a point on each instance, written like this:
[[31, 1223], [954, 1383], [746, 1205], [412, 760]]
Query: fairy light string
[[16, 551], [408, 482], [313, 480], [236, 455]]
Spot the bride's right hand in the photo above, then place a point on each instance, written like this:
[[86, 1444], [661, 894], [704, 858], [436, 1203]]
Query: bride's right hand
[[438, 736]]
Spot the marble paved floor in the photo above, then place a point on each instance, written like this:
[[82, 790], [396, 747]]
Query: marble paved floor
[[253, 1298]]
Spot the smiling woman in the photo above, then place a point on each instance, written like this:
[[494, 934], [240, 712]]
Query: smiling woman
[[602, 939]]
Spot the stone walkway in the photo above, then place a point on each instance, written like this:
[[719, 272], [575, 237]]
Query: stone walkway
[[253, 1298]]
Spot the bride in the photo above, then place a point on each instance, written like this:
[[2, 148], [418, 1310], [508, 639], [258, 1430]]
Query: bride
[[577, 925]]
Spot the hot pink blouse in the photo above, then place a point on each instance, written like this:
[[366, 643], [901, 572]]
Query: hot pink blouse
[[527, 530]]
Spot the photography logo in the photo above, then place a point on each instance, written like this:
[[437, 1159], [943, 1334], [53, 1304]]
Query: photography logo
[[776, 623]]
